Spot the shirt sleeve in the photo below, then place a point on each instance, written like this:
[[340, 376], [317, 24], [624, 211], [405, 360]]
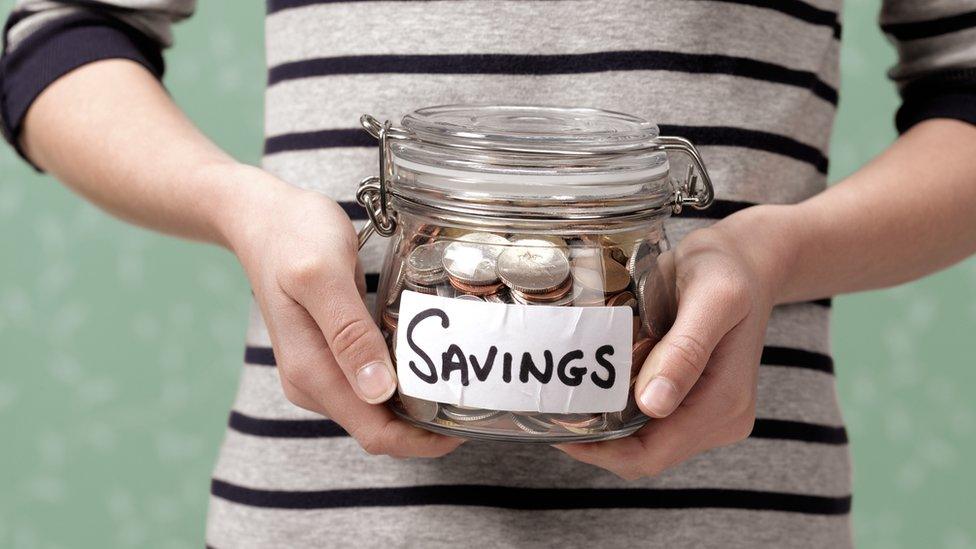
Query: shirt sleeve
[[43, 40], [936, 68]]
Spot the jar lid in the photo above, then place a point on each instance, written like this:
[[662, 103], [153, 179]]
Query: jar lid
[[528, 128], [530, 160]]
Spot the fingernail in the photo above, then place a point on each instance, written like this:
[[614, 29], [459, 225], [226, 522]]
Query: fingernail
[[660, 396], [375, 381]]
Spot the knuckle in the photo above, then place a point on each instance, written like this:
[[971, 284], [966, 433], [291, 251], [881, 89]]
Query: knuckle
[[689, 352], [350, 336], [304, 272], [375, 443], [741, 429]]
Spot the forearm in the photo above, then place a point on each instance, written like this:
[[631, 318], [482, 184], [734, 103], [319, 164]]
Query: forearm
[[909, 212], [109, 131]]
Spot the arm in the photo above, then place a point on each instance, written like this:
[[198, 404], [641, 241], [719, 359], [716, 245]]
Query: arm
[[908, 213], [112, 134]]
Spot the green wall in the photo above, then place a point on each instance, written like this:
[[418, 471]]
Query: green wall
[[120, 348]]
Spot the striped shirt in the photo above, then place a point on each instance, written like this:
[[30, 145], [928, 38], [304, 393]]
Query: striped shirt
[[752, 82]]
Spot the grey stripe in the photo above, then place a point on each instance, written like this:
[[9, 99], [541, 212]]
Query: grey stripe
[[530, 28], [331, 463], [921, 57], [660, 96]]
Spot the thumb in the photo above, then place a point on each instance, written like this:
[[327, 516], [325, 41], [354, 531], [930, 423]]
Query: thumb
[[678, 360], [353, 338]]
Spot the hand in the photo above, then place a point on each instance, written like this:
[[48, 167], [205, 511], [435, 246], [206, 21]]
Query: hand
[[299, 249], [700, 380]]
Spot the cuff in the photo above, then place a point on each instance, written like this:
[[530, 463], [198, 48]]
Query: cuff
[[58, 48], [950, 95]]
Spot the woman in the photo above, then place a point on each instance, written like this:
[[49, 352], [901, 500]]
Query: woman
[[749, 448]]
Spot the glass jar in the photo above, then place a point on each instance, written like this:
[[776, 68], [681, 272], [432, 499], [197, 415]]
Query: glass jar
[[527, 277]]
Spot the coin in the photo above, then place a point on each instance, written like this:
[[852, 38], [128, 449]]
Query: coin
[[601, 273], [389, 320], [559, 295], [533, 266], [469, 297], [475, 289], [425, 263], [422, 288], [397, 287], [622, 299], [463, 414], [501, 296], [580, 424], [418, 408], [531, 423], [587, 297], [471, 258], [557, 241], [655, 304], [642, 348]]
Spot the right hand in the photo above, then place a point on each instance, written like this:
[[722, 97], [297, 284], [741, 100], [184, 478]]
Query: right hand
[[299, 251]]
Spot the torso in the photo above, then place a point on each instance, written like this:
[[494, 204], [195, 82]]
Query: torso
[[755, 88]]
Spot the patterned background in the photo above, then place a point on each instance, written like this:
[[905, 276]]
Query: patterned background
[[120, 348]]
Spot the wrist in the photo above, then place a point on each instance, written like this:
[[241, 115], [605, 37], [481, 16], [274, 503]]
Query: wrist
[[770, 238], [240, 196]]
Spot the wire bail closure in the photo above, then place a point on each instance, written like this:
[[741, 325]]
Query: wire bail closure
[[695, 190]]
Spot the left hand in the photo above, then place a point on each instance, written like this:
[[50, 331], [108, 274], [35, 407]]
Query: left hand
[[700, 380]]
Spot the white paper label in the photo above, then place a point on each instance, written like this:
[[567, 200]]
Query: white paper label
[[521, 358]]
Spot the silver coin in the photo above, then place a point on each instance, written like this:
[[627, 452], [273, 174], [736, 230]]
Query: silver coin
[[419, 409], [657, 309], [471, 258], [427, 258], [463, 414], [498, 297], [469, 297], [533, 266], [531, 423], [397, 286], [422, 288]]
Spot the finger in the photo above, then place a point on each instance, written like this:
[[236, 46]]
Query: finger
[[719, 410], [332, 298], [312, 379], [709, 306]]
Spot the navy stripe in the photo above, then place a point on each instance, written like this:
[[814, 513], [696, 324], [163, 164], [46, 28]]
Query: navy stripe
[[719, 136], [504, 63], [507, 497], [259, 356], [326, 428], [932, 27], [285, 428], [771, 356], [796, 358], [798, 430], [793, 8]]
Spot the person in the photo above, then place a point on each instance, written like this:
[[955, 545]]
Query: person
[[748, 448]]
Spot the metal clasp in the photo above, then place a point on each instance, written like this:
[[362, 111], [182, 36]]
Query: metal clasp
[[372, 193], [696, 190]]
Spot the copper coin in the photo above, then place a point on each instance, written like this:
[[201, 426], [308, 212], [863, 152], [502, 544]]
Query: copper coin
[[622, 299], [474, 289], [642, 349], [580, 424], [601, 273], [389, 321]]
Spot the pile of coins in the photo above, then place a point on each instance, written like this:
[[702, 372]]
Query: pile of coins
[[532, 270]]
